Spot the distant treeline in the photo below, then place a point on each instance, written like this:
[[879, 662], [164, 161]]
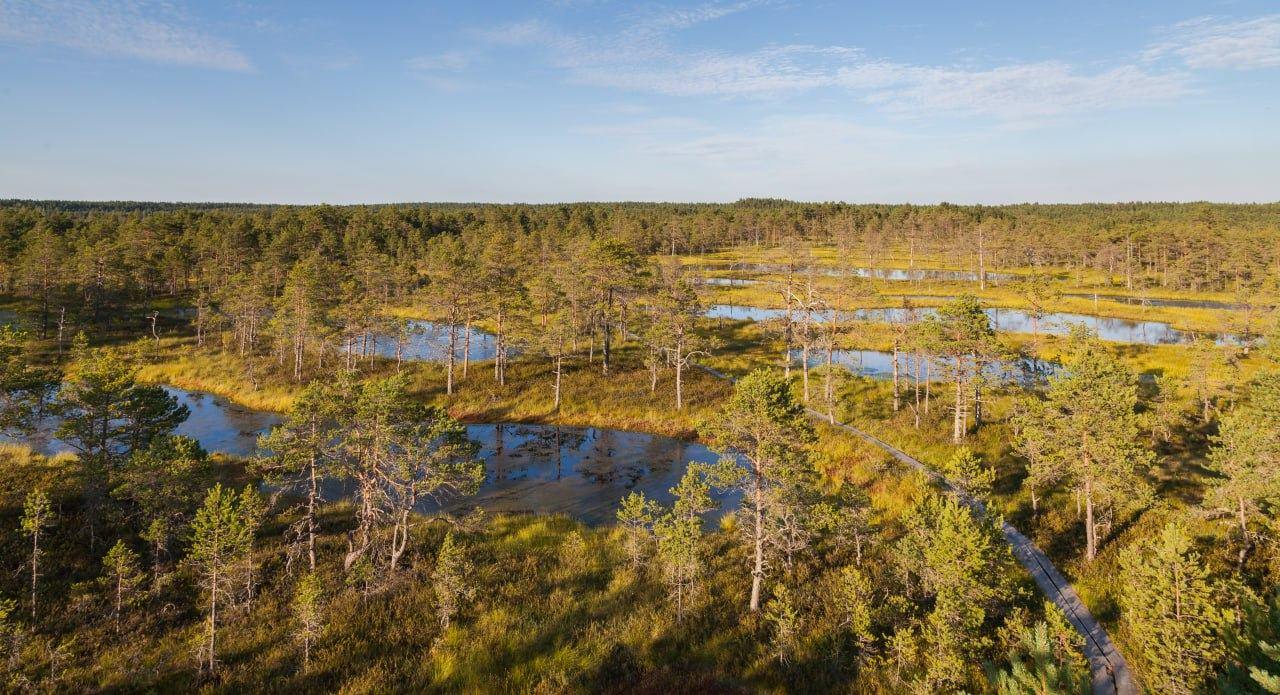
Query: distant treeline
[[119, 250]]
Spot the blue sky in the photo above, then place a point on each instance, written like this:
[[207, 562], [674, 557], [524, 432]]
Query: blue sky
[[564, 100]]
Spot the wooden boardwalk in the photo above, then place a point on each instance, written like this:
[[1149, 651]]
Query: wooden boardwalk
[[1109, 671]]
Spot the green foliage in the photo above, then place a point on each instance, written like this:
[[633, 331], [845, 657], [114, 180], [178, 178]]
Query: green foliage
[[1039, 666], [121, 578], [107, 415], [781, 615], [162, 485], [221, 538], [851, 595], [1246, 453], [1085, 434], [37, 513], [37, 516], [451, 580], [969, 475], [1269, 681], [1172, 613], [308, 614], [765, 425], [24, 389], [959, 561], [636, 516]]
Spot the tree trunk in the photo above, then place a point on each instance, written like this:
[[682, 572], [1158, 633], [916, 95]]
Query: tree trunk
[[559, 369], [608, 335], [1244, 532], [1091, 533], [757, 570], [213, 615], [35, 567], [897, 395], [453, 345], [119, 598], [804, 368], [313, 495], [829, 388], [466, 349], [680, 360]]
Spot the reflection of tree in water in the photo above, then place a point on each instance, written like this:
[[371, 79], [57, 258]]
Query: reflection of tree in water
[[609, 460], [552, 446]]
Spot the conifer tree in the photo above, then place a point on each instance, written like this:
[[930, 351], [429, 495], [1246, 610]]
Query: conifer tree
[[1246, 453], [851, 596], [219, 539], [300, 321], [161, 486], [781, 613], [37, 516], [308, 613], [960, 561], [1085, 432], [1169, 608], [679, 531], [24, 389], [1039, 665], [451, 580], [304, 450], [672, 317], [636, 516], [107, 416], [966, 472], [769, 429], [961, 333], [121, 576]]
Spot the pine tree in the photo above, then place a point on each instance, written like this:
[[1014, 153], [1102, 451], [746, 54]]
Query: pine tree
[[1037, 665], [960, 561], [679, 532], [451, 580], [161, 485], [1269, 681], [851, 597], [301, 318], [252, 511], [636, 516], [308, 613], [1085, 432], [1247, 453], [107, 416], [672, 316], [769, 429], [219, 538], [37, 516], [303, 451], [968, 475], [961, 333], [781, 613], [1171, 613], [24, 389], [121, 577]]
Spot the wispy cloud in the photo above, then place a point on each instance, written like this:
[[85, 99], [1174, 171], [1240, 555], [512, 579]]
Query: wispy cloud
[[1216, 43], [769, 142], [150, 31], [449, 61], [441, 70], [1020, 93], [643, 56]]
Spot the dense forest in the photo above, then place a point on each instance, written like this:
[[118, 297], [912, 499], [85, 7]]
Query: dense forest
[[353, 544]]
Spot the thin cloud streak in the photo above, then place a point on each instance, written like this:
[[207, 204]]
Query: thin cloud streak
[[1214, 43], [643, 58], [132, 29]]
